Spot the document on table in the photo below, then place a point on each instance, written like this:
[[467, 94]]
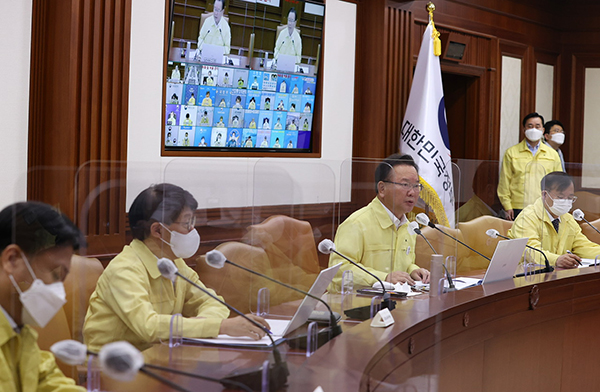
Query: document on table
[[277, 327]]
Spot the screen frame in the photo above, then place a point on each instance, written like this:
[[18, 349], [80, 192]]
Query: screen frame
[[241, 152]]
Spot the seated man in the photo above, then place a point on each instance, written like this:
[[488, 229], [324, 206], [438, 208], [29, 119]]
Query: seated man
[[36, 245], [549, 226], [133, 302], [377, 236]]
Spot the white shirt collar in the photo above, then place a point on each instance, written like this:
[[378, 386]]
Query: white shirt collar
[[550, 215], [397, 222], [12, 323], [531, 148]]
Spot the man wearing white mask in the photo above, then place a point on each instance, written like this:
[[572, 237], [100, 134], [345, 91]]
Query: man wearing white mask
[[524, 165], [36, 245], [134, 302], [549, 226], [554, 136]]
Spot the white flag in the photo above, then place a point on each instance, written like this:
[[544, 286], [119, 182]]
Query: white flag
[[424, 133]]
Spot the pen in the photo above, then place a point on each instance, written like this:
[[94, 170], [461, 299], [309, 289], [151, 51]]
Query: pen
[[578, 262]]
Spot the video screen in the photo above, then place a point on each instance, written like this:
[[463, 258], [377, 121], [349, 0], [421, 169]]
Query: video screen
[[242, 75]]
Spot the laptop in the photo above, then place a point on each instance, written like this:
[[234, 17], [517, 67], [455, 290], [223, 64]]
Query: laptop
[[308, 304], [505, 260], [282, 327]]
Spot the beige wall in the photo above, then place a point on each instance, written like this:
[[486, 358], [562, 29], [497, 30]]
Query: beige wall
[[15, 43], [510, 103], [145, 108], [544, 90]]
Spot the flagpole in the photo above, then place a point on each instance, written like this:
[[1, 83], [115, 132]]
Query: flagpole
[[437, 43]]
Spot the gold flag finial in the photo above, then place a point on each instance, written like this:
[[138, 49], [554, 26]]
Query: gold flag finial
[[437, 44]]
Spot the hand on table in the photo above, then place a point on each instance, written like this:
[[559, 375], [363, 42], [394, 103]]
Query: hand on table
[[239, 326]]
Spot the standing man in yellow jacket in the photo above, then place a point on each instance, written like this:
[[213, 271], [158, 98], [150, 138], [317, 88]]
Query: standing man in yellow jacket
[[377, 236], [523, 167], [36, 245], [549, 226]]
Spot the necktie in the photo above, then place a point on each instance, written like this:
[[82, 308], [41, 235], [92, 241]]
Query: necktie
[[555, 223]]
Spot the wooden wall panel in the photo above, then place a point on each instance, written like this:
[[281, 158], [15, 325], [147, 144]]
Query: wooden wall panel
[[78, 123]]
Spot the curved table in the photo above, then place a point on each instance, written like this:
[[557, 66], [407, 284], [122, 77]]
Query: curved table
[[534, 334]]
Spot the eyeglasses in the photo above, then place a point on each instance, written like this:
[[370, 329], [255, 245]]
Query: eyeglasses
[[407, 187], [188, 224], [571, 198]]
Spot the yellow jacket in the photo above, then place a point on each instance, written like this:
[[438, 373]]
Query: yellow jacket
[[133, 302], [370, 238], [26, 368], [533, 222], [522, 173]]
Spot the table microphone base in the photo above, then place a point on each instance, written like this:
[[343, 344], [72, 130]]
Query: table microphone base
[[252, 378], [325, 335], [364, 312]]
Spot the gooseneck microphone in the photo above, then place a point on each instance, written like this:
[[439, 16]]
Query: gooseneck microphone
[[423, 219], [122, 363], [493, 233], [217, 259], [203, 39], [364, 312], [579, 216], [253, 378], [413, 228]]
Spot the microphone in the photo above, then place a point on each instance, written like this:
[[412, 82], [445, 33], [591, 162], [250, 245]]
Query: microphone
[[294, 46], [423, 219], [493, 233], [276, 53], [413, 228], [203, 39], [74, 353], [217, 259], [253, 378], [222, 39], [362, 313], [579, 215]]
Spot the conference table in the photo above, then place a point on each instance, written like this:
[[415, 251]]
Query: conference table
[[536, 333]]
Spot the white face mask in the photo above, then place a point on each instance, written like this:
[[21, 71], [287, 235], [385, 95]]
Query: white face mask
[[533, 134], [40, 301], [560, 206], [183, 245], [558, 138]]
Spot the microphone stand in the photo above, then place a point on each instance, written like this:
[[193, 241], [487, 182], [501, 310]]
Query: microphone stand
[[300, 341], [433, 226], [253, 377], [364, 312], [547, 268], [451, 286], [592, 226]]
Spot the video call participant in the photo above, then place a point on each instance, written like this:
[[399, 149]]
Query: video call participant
[[549, 226], [133, 302], [523, 167], [377, 236], [289, 41], [36, 245], [215, 29]]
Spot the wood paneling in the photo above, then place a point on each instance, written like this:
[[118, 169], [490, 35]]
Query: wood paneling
[[79, 105]]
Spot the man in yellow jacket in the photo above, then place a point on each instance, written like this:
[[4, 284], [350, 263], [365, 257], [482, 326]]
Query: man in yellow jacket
[[524, 165], [549, 226], [134, 302], [377, 236], [36, 245]]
